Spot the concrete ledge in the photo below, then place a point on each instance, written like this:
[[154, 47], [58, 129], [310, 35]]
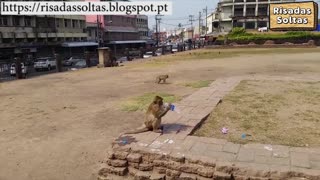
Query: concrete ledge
[[178, 155]]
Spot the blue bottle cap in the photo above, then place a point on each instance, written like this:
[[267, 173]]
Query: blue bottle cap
[[243, 136], [172, 107]]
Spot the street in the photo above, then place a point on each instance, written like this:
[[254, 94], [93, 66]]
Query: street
[[5, 72]]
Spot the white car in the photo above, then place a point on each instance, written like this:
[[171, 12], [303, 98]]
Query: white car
[[174, 48], [159, 52], [148, 54], [263, 29], [47, 63], [24, 70]]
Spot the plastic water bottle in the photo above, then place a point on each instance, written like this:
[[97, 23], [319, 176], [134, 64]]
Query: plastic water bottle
[[173, 108]]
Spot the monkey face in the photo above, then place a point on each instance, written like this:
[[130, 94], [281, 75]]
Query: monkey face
[[158, 100]]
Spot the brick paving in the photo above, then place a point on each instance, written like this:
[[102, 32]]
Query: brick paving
[[190, 155]]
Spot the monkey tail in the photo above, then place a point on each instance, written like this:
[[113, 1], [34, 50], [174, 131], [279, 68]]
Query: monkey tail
[[139, 130]]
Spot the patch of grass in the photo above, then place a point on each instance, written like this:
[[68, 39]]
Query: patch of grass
[[240, 34], [212, 54], [273, 112], [142, 102], [199, 84]]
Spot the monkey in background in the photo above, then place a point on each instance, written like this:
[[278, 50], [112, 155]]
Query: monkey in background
[[152, 122], [162, 78]]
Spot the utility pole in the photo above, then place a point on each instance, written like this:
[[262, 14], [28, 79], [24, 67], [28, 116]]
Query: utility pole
[[206, 11], [158, 30], [199, 25], [191, 20], [98, 31], [157, 37]]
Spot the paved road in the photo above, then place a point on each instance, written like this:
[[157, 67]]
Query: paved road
[[5, 73]]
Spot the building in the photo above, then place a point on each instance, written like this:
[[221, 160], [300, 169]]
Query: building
[[120, 28], [92, 30], [95, 32], [39, 34], [142, 26], [249, 14], [161, 36], [210, 26]]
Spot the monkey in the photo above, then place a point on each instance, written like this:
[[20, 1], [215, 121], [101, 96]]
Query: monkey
[[152, 122], [162, 78]]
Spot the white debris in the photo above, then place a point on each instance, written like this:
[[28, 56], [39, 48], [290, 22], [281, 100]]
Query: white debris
[[143, 144], [268, 147], [153, 150], [156, 144]]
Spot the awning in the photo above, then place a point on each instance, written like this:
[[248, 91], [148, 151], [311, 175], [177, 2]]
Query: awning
[[128, 42], [79, 44], [122, 31]]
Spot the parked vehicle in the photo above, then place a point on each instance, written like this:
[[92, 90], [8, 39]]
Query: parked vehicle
[[148, 54], [263, 29], [24, 70], [47, 63], [159, 52], [71, 61], [175, 48], [122, 59], [81, 63], [29, 62]]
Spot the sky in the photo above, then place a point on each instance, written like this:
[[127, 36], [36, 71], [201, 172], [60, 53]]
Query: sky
[[181, 11]]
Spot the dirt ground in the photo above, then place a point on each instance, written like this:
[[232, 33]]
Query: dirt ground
[[270, 112], [59, 126]]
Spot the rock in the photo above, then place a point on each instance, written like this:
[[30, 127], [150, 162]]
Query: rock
[[159, 163], [110, 155], [233, 44], [132, 171], [142, 176], [160, 170], [121, 155], [173, 165], [222, 176], [203, 178], [311, 42], [189, 168], [185, 176], [252, 43], [288, 43], [145, 167], [136, 158], [207, 162], [120, 171], [135, 165], [156, 176], [178, 157], [117, 163], [269, 42], [172, 173], [206, 172]]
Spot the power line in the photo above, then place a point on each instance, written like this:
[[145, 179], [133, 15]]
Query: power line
[[175, 24]]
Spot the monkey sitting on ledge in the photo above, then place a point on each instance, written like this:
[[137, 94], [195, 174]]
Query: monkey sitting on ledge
[[152, 122], [162, 78]]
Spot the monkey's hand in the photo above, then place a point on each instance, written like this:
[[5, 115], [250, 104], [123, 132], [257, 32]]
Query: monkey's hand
[[169, 106]]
